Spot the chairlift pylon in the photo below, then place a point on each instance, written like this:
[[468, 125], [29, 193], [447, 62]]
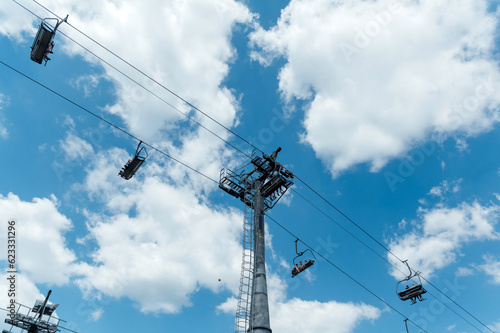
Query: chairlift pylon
[[297, 269], [43, 44], [131, 167], [415, 291]]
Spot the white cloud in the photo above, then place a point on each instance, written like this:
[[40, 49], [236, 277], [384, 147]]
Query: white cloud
[[299, 315], [229, 306], [464, 271], [43, 256], [14, 21], [437, 190], [75, 147], [96, 315], [296, 315], [88, 83], [436, 242], [383, 76], [491, 267], [446, 187]]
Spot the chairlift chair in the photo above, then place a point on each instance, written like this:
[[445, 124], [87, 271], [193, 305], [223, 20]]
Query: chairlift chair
[[44, 41], [131, 167], [308, 263], [413, 292]]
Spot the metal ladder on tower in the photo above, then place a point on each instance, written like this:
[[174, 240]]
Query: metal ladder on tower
[[246, 279]]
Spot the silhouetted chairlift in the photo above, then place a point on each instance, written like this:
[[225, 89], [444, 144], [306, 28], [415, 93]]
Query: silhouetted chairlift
[[44, 41], [297, 269], [413, 292], [131, 167]]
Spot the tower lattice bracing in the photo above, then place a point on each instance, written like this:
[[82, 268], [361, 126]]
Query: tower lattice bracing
[[259, 189]]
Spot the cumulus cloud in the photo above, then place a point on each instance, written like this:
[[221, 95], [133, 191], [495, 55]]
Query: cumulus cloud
[[41, 244], [436, 241], [381, 77]]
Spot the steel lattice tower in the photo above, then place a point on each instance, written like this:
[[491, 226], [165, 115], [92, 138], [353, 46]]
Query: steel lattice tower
[[259, 189]]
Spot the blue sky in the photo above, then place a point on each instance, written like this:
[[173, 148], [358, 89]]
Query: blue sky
[[389, 110]]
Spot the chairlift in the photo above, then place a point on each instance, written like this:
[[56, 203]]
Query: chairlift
[[44, 41], [131, 167], [297, 269], [415, 291]]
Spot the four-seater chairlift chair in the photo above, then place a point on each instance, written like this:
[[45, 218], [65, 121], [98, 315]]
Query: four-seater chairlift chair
[[44, 40], [410, 293], [131, 167]]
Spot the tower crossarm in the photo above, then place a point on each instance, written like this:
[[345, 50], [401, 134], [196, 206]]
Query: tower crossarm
[[229, 183]]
